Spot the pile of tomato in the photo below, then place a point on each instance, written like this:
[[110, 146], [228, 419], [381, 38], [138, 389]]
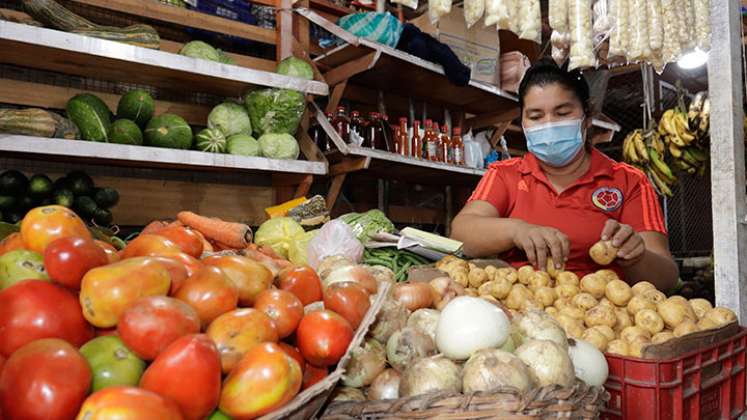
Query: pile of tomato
[[155, 332]]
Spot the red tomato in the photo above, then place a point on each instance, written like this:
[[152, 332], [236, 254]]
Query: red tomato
[[312, 375], [249, 276], [68, 259], [302, 282], [323, 337], [191, 264], [210, 292], [149, 245], [45, 379], [111, 253], [350, 300], [128, 403], [283, 307], [43, 225], [152, 323], [189, 373], [11, 243], [188, 241], [35, 309], [294, 353], [238, 331], [177, 271], [265, 379]]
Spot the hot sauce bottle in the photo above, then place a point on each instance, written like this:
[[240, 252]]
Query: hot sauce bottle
[[446, 150], [416, 145], [403, 140], [457, 146], [431, 142]]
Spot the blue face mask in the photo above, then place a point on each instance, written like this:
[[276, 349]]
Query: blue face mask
[[555, 143]]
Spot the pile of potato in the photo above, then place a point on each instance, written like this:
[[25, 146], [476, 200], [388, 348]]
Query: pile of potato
[[598, 308]]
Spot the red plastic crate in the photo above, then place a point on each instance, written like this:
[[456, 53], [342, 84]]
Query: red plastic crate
[[705, 384]]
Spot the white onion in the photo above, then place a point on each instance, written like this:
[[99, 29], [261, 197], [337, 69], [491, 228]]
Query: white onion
[[468, 324], [392, 317], [538, 325], [588, 362], [381, 274], [366, 363], [489, 369], [385, 386], [430, 374], [407, 345], [548, 362], [426, 321]]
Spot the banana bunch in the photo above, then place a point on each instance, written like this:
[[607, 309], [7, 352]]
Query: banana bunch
[[645, 149], [686, 135]]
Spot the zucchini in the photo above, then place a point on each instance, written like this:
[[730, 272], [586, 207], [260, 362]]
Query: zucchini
[[51, 13], [139, 35], [30, 122]]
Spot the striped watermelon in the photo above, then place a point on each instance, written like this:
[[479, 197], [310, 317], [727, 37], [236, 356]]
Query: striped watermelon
[[211, 140]]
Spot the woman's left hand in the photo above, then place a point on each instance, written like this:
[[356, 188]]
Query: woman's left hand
[[629, 243]]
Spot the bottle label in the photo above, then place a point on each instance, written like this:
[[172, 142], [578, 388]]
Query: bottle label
[[355, 138], [432, 150], [459, 156]]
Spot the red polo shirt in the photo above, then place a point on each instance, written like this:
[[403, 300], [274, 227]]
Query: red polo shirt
[[518, 188]]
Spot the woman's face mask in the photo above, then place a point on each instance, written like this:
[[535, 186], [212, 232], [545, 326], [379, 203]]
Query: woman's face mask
[[556, 143]]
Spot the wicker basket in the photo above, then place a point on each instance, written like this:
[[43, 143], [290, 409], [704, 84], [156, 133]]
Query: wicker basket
[[577, 402]]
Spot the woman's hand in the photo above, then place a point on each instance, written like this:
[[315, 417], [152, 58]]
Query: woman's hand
[[539, 242], [629, 243]]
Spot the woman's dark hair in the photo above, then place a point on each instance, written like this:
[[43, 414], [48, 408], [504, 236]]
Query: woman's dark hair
[[546, 72]]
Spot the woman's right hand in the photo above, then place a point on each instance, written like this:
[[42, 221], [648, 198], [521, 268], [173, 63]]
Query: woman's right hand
[[539, 242]]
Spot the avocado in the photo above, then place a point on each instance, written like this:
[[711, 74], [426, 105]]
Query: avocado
[[64, 198], [85, 207], [40, 186], [80, 183], [7, 202], [106, 198], [13, 183], [103, 217]]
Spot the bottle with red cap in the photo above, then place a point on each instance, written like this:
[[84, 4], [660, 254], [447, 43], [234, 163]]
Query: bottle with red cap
[[341, 123], [431, 142], [356, 128], [416, 144], [446, 148]]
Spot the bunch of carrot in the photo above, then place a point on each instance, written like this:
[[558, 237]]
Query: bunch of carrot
[[217, 234]]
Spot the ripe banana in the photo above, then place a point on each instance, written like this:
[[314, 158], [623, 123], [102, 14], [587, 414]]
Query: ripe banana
[[640, 147], [705, 117], [693, 111], [674, 151]]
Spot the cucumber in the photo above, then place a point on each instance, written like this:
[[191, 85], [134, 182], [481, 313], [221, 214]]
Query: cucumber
[[40, 186], [138, 35], [125, 131], [80, 183], [13, 183], [85, 207], [106, 198], [64, 198], [29, 122]]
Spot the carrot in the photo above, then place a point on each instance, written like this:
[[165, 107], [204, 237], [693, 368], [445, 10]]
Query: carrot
[[154, 226], [234, 235], [206, 245]]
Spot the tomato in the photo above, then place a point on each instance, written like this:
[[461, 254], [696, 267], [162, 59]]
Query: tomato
[[36, 309], [189, 373], [112, 363], [265, 379], [191, 264], [312, 375], [128, 403], [294, 353], [177, 272], [186, 239], [249, 276], [111, 253], [43, 225], [149, 245], [323, 337], [283, 307], [350, 300], [302, 282], [11, 242], [107, 291], [238, 331], [210, 292], [45, 379], [68, 259], [150, 324]]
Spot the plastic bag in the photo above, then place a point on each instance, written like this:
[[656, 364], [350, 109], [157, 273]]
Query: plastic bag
[[689, 19], [671, 48], [473, 11], [530, 20], [335, 238], [297, 254], [438, 8], [582, 49], [377, 27], [412, 4], [557, 15], [655, 26], [601, 24], [620, 35], [683, 32], [702, 24], [561, 46], [639, 48], [497, 13]]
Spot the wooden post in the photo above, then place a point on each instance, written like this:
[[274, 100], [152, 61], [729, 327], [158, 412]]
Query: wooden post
[[727, 157], [284, 19]]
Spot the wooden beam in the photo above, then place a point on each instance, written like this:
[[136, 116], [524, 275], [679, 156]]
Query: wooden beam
[[303, 188], [349, 165], [334, 190], [309, 149], [300, 51], [500, 130], [351, 68], [493, 118], [334, 99]]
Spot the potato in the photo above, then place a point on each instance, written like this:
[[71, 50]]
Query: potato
[[623, 319], [594, 285], [637, 345], [707, 324], [687, 326], [551, 269], [525, 274], [471, 292], [606, 330], [461, 277], [721, 316], [518, 294], [492, 272], [509, 273], [552, 311], [607, 274], [566, 277], [574, 312], [498, 288], [662, 337], [445, 260], [546, 296], [654, 296], [650, 320], [596, 338], [584, 301], [673, 312], [572, 326], [606, 302], [600, 315], [560, 302], [641, 287], [567, 291], [471, 266], [618, 292], [638, 303], [539, 279], [630, 333], [530, 304], [477, 277], [603, 253], [677, 298], [700, 307], [618, 347]]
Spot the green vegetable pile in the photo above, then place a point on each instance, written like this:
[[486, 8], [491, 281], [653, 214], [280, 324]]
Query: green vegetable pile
[[399, 261], [367, 224]]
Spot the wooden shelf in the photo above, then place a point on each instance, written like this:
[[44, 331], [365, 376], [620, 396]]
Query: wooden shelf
[[79, 55], [148, 157]]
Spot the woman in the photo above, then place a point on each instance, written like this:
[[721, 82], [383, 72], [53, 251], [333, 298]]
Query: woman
[[564, 195]]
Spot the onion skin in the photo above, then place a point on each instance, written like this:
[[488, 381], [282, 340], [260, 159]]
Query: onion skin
[[426, 321], [414, 296], [407, 345], [430, 374], [392, 317], [366, 363], [385, 386], [489, 369]]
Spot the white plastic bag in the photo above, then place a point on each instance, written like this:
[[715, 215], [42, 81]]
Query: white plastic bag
[[689, 15], [561, 46], [620, 35], [702, 24], [557, 15], [530, 20], [681, 22], [582, 49], [473, 11], [639, 47], [412, 4], [655, 25], [497, 13], [602, 25], [438, 8], [334, 238], [671, 48]]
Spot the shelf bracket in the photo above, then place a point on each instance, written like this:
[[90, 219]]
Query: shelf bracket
[[351, 68]]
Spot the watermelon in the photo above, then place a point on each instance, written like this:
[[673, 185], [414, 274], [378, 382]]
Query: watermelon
[[91, 116], [169, 131], [211, 140], [136, 105], [243, 145], [126, 132]]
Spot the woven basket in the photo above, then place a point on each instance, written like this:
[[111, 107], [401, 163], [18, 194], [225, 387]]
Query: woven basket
[[577, 402]]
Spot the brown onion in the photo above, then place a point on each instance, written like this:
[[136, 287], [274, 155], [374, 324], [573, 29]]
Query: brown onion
[[366, 363], [353, 273], [414, 295], [408, 345], [430, 374], [392, 317], [385, 386]]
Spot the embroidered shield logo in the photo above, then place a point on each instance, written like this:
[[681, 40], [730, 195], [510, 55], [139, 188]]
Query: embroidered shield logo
[[607, 199]]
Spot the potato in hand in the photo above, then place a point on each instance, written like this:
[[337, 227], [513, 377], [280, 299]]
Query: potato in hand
[[603, 253]]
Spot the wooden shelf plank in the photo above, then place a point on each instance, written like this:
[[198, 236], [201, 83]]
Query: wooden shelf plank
[[403, 160], [142, 156], [68, 53]]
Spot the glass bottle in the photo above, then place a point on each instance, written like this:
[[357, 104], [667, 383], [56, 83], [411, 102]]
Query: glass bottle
[[323, 141], [439, 147], [431, 142], [356, 128], [341, 123], [446, 149], [457, 145], [403, 140], [416, 144], [389, 136]]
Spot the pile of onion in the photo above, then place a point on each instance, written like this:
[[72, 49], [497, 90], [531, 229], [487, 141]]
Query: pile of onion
[[391, 318], [407, 345], [489, 369], [589, 363], [430, 374], [468, 324], [426, 321], [548, 362], [366, 363], [352, 273], [385, 386], [444, 290]]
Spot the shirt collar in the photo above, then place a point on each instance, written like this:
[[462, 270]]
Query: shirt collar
[[601, 166]]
